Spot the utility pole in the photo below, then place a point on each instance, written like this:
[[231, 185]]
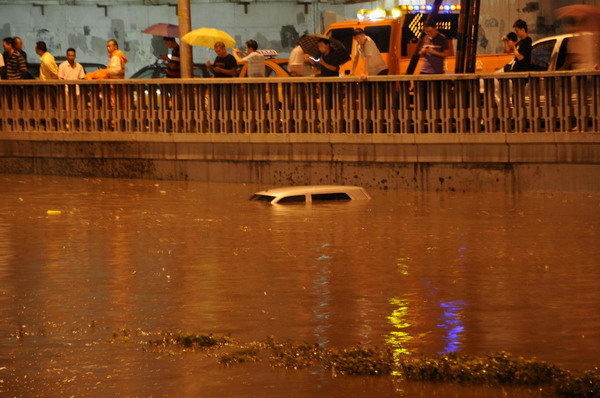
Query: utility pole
[[185, 25], [468, 30], [430, 18]]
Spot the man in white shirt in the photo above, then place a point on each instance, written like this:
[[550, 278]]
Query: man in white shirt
[[255, 60], [70, 70], [368, 51], [48, 68]]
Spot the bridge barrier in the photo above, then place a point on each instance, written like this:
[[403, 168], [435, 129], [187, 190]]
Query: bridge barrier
[[470, 103]]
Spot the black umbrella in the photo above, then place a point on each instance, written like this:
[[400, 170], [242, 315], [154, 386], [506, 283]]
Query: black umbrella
[[309, 44]]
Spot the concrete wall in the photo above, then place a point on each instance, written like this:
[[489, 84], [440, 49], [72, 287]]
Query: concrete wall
[[450, 162], [273, 24]]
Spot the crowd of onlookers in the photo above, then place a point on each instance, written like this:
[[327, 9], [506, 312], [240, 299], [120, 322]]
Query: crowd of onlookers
[[13, 63], [434, 48]]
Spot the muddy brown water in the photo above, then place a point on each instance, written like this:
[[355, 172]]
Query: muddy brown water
[[417, 272]]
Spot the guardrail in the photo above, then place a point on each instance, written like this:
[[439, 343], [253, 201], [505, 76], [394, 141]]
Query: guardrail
[[503, 103]]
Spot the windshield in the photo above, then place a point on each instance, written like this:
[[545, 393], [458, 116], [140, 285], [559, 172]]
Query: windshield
[[262, 198]]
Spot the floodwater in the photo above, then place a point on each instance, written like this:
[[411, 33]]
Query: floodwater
[[418, 272]]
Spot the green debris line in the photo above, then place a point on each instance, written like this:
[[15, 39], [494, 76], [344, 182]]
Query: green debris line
[[494, 369]]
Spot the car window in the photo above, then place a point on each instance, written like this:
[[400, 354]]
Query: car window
[[293, 199], [201, 70], [91, 67], [323, 197], [269, 71], [381, 36], [146, 73], [344, 35], [541, 54], [562, 53], [262, 198]]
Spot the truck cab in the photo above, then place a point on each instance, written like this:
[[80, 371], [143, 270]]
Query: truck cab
[[396, 34]]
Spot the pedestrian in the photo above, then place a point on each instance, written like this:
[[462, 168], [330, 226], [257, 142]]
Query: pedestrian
[[70, 69], [255, 60], [173, 61], [329, 62], [19, 47], [116, 64], [509, 41], [16, 67], [48, 68], [522, 51], [583, 48], [435, 49], [297, 62], [373, 63], [225, 64]]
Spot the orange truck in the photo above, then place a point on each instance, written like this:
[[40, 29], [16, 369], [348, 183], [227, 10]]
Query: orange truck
[[397, 32]]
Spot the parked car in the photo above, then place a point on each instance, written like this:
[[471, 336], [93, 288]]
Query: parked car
[[158, 70], [274, 67], [34, 67], [311, 194]]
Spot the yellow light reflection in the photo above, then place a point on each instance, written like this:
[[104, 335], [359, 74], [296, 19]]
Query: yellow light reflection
[[402, 264], [397, 339]]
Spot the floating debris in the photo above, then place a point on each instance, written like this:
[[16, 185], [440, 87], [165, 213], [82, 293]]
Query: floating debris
[[494, 369]]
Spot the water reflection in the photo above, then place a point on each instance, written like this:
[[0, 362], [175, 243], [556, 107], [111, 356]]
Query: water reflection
[[452, 323], [399, 338], [418, 272], [322, 294]]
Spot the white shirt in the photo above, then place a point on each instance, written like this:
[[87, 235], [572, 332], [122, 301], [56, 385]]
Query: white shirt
[[369, 49], [296, 56], [256, 64], [296, 63], [68, 72]]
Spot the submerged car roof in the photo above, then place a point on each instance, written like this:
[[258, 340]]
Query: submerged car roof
[[325, 191], [306, 189]]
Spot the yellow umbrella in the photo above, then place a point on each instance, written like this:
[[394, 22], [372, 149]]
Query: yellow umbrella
[[207, 37]]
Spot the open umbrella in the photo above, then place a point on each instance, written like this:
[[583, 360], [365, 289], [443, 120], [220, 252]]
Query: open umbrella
[[207, 37], [585, 16], [309, 44], [162, 29]]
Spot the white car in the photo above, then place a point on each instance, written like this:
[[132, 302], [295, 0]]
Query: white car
[[311, 194]]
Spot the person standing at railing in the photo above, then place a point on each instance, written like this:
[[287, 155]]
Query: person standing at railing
[[225, 64], [255, 60], [2, 68], [116, 65], [509, 41], [435, 49], [368, 51], [16, 67], [297, 62], [48, 68], [329, 62], [174, 61], [522, 51], [70, 69]]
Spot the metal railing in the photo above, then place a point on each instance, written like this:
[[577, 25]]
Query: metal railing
[[502, 103]]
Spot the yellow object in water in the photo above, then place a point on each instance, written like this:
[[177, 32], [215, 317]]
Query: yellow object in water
[[52, 212]]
